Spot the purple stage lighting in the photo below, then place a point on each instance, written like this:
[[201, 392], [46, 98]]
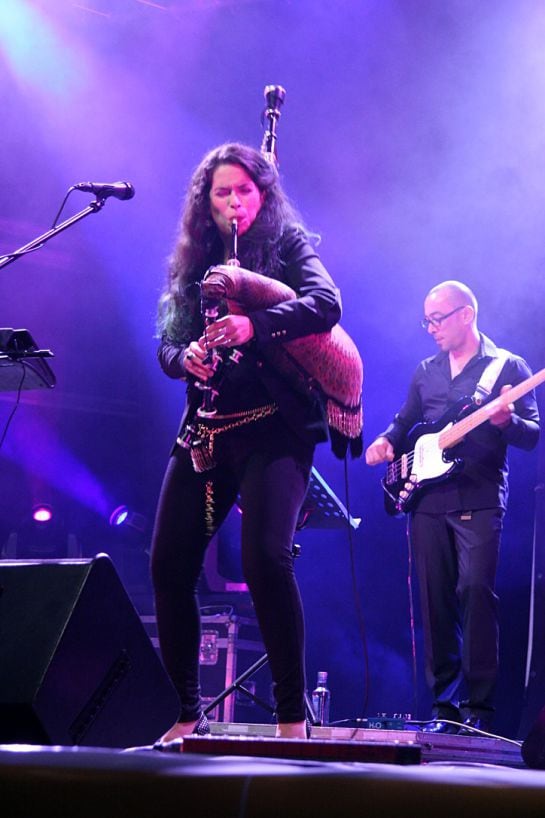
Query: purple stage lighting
[[119, 515], [124, 516], [42, 513]]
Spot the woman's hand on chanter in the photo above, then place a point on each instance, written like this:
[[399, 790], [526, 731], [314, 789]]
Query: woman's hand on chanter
[[229, 331], [193, 360]]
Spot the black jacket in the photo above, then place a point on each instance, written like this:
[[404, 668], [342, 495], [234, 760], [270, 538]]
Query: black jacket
[[317, 308]]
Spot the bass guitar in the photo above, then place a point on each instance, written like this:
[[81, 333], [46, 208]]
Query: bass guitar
[[429, 459]]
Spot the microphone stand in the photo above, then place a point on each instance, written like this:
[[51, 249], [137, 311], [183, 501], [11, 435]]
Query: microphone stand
[[20, 346], [94, 207]]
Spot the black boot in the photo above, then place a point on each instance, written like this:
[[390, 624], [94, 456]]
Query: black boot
[[438, 727], [473, 723]]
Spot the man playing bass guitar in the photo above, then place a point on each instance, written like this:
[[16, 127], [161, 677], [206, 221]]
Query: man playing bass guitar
[[457, 503]]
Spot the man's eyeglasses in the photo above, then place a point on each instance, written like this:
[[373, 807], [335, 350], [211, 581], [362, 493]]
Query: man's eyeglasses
[[438, 320]]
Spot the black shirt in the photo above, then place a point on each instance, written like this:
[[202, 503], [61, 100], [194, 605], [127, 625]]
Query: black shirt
[[483, 481]]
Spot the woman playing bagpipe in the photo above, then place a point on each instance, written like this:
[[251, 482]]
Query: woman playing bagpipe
[[249, 428]]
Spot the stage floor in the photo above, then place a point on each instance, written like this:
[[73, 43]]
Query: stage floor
[[213, 780]]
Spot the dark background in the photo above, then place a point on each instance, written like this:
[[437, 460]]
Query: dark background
[[412, 139]]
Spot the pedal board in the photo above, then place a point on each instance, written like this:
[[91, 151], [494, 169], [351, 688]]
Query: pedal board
[[304, 750]]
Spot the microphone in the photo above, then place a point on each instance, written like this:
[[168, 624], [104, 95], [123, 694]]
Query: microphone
[[120, 190]]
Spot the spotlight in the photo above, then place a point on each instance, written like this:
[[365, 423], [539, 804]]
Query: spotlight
[[124, 516], [42, 513], [41, 535], [119, 515]]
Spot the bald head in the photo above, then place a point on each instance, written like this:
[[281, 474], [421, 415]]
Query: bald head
[[450, 316], [458, 294]]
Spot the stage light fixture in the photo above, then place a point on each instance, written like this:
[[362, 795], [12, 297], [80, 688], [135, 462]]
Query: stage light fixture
[[119, 515], [42, 513], [124, 516]]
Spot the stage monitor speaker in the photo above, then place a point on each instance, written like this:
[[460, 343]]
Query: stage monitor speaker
[[533, 746], [76, 665]]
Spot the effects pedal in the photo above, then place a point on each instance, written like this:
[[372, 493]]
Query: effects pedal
[[384, 722]]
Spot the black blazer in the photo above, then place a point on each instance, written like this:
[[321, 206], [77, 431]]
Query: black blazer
[[317, 308]]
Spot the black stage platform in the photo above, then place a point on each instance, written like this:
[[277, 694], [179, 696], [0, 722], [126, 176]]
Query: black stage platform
[[38, 782]]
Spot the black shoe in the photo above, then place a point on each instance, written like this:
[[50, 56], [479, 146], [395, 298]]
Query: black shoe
[[474, 723], [202, 728], [439, 727]]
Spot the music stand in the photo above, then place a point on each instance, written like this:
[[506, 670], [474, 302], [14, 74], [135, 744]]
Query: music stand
[[22, 364], [321, 509]]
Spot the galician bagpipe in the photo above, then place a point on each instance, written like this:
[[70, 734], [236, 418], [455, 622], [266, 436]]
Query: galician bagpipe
[[328, 362]]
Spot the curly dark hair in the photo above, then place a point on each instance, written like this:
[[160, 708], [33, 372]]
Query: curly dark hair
[[199, 244]]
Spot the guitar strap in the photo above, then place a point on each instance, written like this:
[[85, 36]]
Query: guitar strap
[[489, 376]]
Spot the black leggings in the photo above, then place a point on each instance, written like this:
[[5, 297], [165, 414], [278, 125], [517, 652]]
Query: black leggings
[[269, 467]]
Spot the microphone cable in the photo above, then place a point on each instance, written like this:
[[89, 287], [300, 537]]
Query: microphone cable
[[17, 402], [357, 599], [412, 627]]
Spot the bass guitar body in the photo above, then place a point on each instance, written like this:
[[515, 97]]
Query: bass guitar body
[[423, 461]]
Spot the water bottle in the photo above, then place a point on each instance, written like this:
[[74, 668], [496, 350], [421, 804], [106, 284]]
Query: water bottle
[[321, 699]]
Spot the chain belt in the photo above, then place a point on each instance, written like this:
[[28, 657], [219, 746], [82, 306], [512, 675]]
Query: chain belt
[[199, 438]]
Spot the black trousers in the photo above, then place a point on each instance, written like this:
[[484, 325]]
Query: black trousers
[[456, 557], [270, 468]]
